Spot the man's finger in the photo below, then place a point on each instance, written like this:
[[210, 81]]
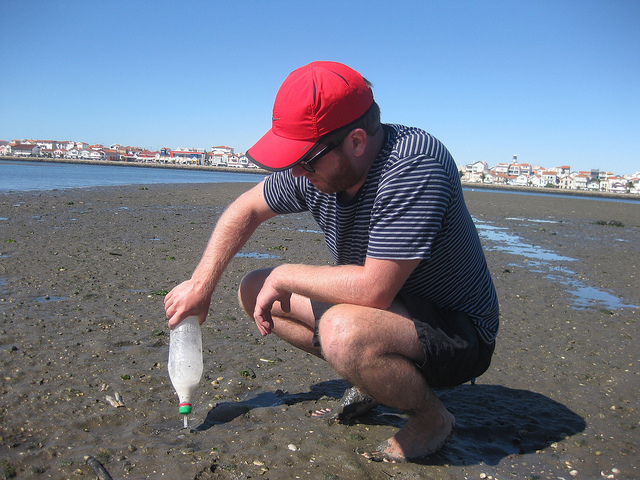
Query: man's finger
[[263, 322]]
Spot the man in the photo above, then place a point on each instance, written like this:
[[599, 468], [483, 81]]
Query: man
[[410, 304]]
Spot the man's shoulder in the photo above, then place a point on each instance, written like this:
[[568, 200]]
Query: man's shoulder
[[401, 131], [411, 142]]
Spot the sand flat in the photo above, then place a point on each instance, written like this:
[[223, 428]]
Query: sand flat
[[82, 277]]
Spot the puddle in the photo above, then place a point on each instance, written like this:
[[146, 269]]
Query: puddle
[[510, 243], [532, 220], [587, 296], [539, 260], [256, 255]]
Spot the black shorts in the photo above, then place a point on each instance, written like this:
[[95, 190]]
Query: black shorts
[[454, 352]]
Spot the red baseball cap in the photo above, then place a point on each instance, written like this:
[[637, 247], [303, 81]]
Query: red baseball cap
[[313, 101]]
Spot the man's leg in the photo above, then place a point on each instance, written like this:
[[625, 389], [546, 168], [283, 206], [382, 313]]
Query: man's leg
[[295, 326], [377, 350]]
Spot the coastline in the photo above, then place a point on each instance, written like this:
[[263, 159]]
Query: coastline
[[83, 161], [551, 191], [82, 277], [465, 185]]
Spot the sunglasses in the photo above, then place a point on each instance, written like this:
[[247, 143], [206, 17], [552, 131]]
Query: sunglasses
[[306, 164]]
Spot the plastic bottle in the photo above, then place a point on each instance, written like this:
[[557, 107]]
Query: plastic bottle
[[185, 362]]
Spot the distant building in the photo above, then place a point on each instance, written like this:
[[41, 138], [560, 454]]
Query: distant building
[[146, 156], [111, 155], [25, 150], [579, 181], [502, 168], [614, 185], [189, 156], [479, 171], [549, 178]]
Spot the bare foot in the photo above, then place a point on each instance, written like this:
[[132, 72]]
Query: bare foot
[[354, 403], [412, 443]]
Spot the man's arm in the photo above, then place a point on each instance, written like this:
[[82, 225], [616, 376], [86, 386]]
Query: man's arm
[[234, 228], [375, 284]]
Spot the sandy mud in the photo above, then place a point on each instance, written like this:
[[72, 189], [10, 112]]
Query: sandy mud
[[82, 278]]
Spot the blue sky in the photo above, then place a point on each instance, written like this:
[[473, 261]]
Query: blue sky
[[556, 82]]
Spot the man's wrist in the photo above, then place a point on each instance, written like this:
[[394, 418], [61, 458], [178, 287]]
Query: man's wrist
[[202, 286], [281, 277]]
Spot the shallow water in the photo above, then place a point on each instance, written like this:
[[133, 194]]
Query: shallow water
[[20, 176], [255, 255], [548, 263], [508, 242]]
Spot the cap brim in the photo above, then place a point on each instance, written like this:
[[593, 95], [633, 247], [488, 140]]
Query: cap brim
[[275, 153]]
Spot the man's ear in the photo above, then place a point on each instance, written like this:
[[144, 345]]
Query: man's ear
[[356, 142]]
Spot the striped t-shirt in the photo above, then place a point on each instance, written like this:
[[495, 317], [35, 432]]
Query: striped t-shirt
[[411, 206]]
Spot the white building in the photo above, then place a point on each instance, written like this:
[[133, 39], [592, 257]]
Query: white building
[[25, 150], [549, 178]]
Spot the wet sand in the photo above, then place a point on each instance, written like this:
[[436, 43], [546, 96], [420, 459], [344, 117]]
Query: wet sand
[[82, 277]]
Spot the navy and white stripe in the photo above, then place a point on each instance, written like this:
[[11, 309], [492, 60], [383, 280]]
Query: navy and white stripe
[[410, 207]]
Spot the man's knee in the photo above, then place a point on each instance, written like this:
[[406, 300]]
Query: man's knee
[[340, 336], [250, 286]]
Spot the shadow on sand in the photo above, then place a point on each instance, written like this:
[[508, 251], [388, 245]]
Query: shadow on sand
[[492, 421], [495, 421]]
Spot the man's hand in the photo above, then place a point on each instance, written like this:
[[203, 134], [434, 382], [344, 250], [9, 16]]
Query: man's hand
[[269, 294], [185, 300]]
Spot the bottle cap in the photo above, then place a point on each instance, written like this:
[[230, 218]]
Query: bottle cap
[[184, 408]]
